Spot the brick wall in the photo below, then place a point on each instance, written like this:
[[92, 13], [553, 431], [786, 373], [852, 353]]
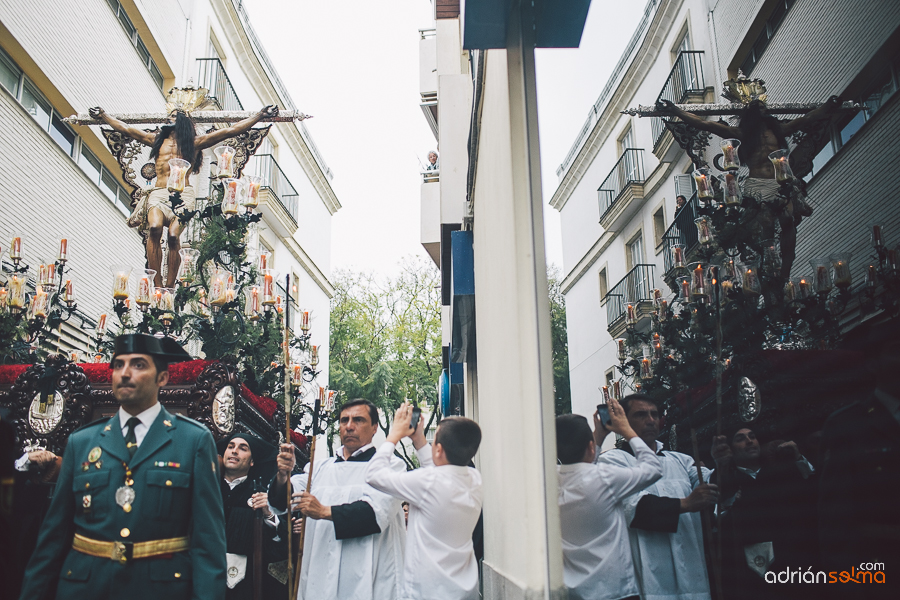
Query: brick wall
[[45, 196]]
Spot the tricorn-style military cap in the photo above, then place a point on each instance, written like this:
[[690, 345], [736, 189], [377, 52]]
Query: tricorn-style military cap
[[164, 348]]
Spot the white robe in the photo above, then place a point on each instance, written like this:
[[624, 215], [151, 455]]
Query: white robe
[[365, 568], [669, 566]]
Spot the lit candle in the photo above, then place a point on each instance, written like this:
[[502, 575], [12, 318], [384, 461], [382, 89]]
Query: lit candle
[[871, 277], [698, 281], [663, 312], [298, 375], [69, 295], [254, 301], [823, 280], [167, 302], [263, 259], [217, 296], [657, 350], [782, 167], [279, 304], [732, 191], [314, 355], [4, 299], [617, 390], [230, 292], [750, 281], [605, 394], [678, 253], [729, 152], [804, 288], [329, 402], [304, 320], [74, 357], [157, 298], [43, 274], [704, 190], [629, 314], [63, 249], [224, 159], [704, 232], [15, 249], [253, 186], [727, 287], [686, 289], [322, 392], [268, 295], [657, 296], [120, 285], [178, 169], [620, 346], [144, 290], [101, 325], [646, 373]]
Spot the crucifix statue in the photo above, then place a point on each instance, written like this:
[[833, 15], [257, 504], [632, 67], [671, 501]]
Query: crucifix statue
[[760, 134], [176, 139]]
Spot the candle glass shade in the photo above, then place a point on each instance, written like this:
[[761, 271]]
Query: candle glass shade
[[704, 230], [684, 285], [230, 291], [145, 287], [69, 292], [63, 250], [730, 160], [871, 276], [750, 278], [264, 261], [630, 317], [187, 271], [253, 303], [218, 287], [662, 312], [39, 304], [621, 349], [224, 161], [268, 287], [16, 297], [314, 356], [893, 261], [731, 188], [15, 249], [804, 287], [297, 375], [677, 256], [877, 230], [781, 162], [178, 171], [304, 321], [121, 275], [703, 181], [253, 184], [101, 326], [165, 299], [821, 278], [698, 280], [4, 300], [646, 372], [791, 292], [771, 257], [232, 199]]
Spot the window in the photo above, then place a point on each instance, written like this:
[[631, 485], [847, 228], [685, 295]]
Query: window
[[97, 173], [604, 285], [765, 36], [295, 287], [634, 252], [881, 87], [609, 377], [35, 104], [61, 133], [131, 32], [659, 225], [10, 74]]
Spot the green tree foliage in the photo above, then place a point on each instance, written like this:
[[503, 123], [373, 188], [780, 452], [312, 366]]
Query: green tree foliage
[[386, 337], [562, 393]]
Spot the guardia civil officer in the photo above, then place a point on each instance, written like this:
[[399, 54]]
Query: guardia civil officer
[[137, 511]]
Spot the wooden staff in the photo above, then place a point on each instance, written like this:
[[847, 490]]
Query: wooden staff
[[312, 457], [705, 521], [287, 425]]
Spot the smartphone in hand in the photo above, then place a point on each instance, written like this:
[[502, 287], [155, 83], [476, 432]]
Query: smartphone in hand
[[603, 410], [416, 415]]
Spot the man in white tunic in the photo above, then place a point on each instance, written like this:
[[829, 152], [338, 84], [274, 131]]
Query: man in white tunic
[[664, 524], [597, 563], [355, 535], [444, 504]]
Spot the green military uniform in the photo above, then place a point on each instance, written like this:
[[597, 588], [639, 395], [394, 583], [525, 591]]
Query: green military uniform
[[167, 494]]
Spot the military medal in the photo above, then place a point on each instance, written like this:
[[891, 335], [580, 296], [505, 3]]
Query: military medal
[[86, 501], [125, 494], [94, 454]]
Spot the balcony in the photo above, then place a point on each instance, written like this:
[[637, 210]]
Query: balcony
[[279, 198], [212, 76], [622, 186], [682, 232], [635, 289], [684, 84]]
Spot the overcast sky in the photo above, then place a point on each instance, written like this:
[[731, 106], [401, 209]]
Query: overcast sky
[[354, 66]]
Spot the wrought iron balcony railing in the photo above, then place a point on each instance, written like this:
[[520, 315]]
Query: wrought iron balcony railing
[[212, 76], [629, 169], [681, 232], [274, 180], [635, 287], [685, 78]]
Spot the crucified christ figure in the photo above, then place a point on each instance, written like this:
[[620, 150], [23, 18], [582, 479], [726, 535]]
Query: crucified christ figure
[[760, 134], [177, 138]]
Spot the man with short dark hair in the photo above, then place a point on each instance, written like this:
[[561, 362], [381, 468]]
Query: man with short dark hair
[[445, 502], [247, 468], [665, 529], [355, 536], [137, 510], [597, 563]]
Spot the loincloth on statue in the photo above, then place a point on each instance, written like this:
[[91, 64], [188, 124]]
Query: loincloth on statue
[[791, 198], [159, 198], [761, 190]]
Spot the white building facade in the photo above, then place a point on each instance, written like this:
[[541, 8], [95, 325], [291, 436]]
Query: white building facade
[[618, 185], [59, 59]]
